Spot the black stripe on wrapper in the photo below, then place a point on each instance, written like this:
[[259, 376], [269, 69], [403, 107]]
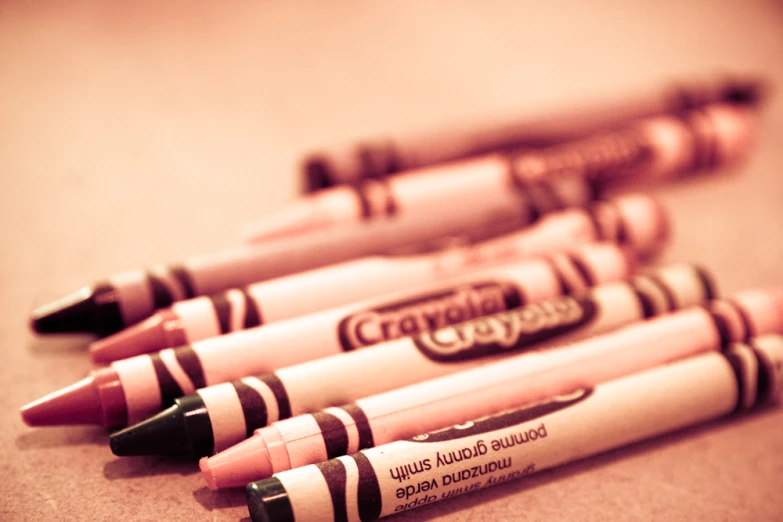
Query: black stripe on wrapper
[[721, 327], [671, 302], [365, 206], [334, 434], [252, 313], [169, 389], [336, 477], [736, 365], [222, 307], [369, 491], [622, 226], [765, 378], [583, 269], [161, 296], [188, 359], [561, 281], [377, 159], [267, 501], [253, 407], [281, 395], [366, 439], [707, 283], [183, 277], [645, 303], [747, 326]]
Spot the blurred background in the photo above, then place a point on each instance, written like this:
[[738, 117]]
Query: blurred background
[[133, 133]]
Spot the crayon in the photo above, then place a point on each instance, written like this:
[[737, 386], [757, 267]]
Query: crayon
[[647, 150], [127, 298], [219, 416], [399, 414], [379, 158], [402, 475], [637, 221], [132, 389]]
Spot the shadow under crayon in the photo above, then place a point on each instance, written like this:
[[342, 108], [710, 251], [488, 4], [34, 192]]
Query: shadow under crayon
[[55, 437], [58, 344], [136, 467], [547, 476], [225, 498]]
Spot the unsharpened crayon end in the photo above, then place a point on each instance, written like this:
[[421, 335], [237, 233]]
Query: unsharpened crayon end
[[76, 404], [267, 501], [71, 314], [161, 434]]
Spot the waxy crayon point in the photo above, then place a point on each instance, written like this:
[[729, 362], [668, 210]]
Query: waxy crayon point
[[182, 429], [243, 460], [163, 329], [77, 404], [71, 314], [98, 399], [147, 437], [89, 310]]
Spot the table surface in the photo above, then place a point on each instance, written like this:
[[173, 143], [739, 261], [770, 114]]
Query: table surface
[[140, 132]]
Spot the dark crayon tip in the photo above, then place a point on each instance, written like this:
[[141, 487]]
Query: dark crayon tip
[[71, 314], [161, 434], [317, 173], [749, 92], [90, 310], [182, 430], [267, 501]]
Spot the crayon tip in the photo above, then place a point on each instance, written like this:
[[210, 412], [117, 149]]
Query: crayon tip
[[161, 434], [76, 404], [147, 336], [71, 314], [267, 500], [236, 466], [317, 174], [750, 92], [92, 310]]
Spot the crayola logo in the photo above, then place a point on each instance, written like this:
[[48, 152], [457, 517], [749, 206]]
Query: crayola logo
[[427, 312], [505, 331], [589, 157]]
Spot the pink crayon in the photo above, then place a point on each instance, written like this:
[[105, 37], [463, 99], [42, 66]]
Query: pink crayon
[[132, 389], [217, 417], [456, 398], [636, 220], [650, 149]]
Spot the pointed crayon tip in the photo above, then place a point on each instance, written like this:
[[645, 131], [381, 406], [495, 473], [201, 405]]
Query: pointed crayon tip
[[76, 404], [70, 314], [145, 337], [161, 434], [236, 466]]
